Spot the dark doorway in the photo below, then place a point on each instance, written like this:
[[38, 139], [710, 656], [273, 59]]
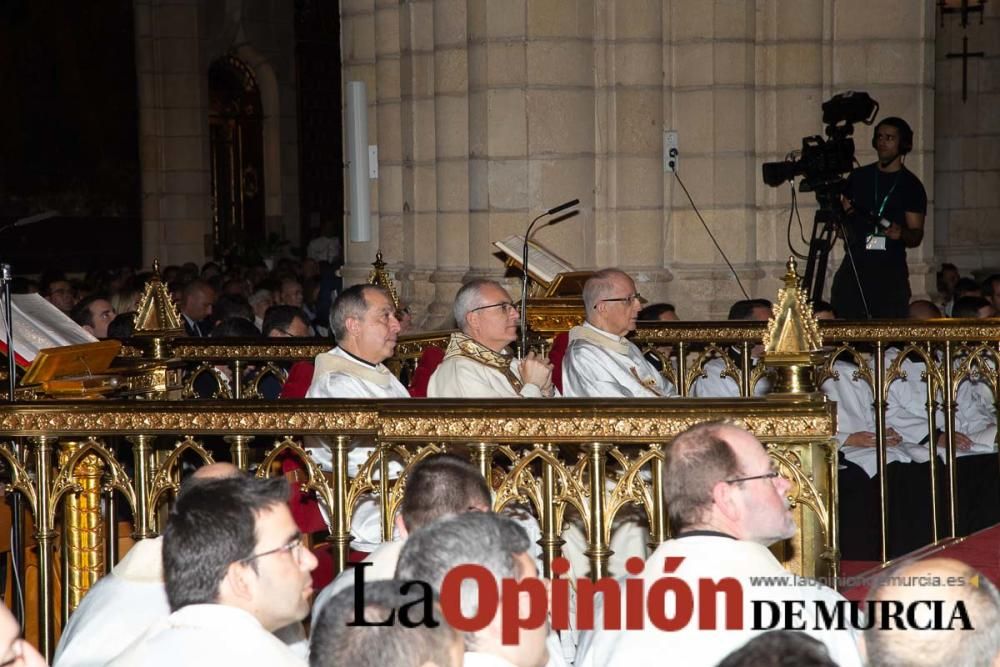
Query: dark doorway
[[237, 156], [69, 135], [321, 151]]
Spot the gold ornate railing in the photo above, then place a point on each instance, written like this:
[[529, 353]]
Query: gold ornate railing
[[952, 351], [555, 457]]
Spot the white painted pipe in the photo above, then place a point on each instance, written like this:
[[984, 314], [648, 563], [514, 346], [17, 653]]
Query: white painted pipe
[[357, 155]]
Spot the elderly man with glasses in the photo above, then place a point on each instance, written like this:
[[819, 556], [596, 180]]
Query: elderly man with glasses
[[477, 363], [600, 361], [727, 504]]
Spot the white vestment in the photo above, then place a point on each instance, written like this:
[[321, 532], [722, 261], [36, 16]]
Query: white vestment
[[337, 374], [600, 364], [210, 635], [714, 385], [117, 609], [125, 604], [470, 370], [381, 566], [713, 557], [856, 414], [906, 411]]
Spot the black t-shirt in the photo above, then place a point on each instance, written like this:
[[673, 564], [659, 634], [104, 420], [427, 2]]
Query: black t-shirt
[[887, 195]]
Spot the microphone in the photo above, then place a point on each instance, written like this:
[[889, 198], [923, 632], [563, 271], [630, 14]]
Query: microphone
[[562, 207], [524, 268]]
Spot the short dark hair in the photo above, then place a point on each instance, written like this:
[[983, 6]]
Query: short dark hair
[[193, 286], [232, 305], [968, 285], [694, 462], [123, 326], [334, 642], [281, 317], [989, 284], [654, 310], [743, 310], [480, 538], [235, 327], [211, 526], [349, 303], [439, 486], [81, 311], [46, 280], [819, 306], [779, 648], [968, 306]]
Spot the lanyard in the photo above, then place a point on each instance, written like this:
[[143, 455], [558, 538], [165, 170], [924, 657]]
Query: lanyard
[[887, 195]]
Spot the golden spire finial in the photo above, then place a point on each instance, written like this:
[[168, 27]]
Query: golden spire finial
[[793, 329], [157, 315], [379, 276]]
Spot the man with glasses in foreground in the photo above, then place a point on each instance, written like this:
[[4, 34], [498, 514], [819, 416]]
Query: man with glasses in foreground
[[477, 363], [600, 361], [235, 571], [727, 504]]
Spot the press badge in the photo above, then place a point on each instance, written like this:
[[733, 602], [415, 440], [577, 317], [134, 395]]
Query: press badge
[[875, 242]]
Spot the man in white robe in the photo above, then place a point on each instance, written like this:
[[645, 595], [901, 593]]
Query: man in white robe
[[363, 321], [477, 363], [228, 590], [727, 504], [713, 382], [127, 601], [438, 486], [600, 361]]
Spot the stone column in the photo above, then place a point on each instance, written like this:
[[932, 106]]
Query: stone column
[[967, 146], [173, 132]]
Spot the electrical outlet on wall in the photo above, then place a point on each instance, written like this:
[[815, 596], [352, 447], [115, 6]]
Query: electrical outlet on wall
[[670, 153]]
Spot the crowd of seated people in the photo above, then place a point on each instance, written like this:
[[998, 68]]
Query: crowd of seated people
[[598, 361], [229, 583]]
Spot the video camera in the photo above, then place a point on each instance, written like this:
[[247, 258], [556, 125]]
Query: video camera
[[823, 161]]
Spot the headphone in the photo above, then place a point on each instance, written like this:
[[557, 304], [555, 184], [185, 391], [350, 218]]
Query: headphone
[[905, 133]]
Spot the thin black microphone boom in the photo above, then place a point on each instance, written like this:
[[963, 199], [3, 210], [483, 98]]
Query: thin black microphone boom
[[561, 207], [524, 268]]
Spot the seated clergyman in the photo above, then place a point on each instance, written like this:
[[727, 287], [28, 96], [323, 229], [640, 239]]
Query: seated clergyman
[[727, 504], [477, 363], [363, 321], [600, 361]]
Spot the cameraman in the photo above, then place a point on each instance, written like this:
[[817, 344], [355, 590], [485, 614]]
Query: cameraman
[[886, 204]]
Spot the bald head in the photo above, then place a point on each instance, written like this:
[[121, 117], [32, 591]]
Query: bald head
[[951, 582], [922, 309]]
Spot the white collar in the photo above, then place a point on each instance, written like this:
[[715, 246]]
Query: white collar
[[223, 616], [598, 337], [336, 360]]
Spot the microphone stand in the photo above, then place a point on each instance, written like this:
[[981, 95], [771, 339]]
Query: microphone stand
[[525, 279], [16, 510]]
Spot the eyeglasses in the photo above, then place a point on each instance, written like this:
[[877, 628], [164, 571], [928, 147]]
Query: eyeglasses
[[294, 548], [770, 475], [507, 307], [625, 299]]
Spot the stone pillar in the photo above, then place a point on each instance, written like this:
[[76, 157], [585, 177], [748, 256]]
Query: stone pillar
[[173, 132], [967, 146]]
